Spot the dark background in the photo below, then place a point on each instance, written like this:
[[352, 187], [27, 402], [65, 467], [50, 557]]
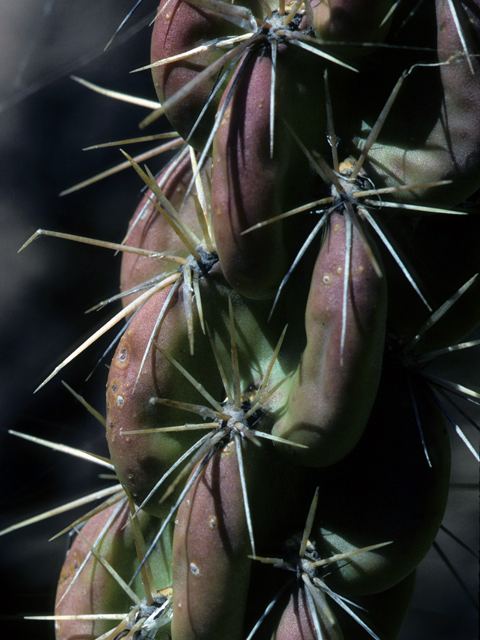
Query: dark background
[[45, 120]]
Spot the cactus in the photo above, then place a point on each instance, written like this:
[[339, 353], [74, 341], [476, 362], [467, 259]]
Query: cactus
[[272, 289]]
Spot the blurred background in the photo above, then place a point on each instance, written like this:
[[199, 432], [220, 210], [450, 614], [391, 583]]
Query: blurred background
[[45, 120]]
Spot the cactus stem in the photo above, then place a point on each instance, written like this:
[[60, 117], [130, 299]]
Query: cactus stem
[[231, 423], [98, 540], [240, 16], [147, 576], [109, 568], [198, 263], [146, 617], [197, 473]]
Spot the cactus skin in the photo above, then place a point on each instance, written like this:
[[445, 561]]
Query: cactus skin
[[406, 506], [211, 531], [179, 28], [211, 568], [332, 394], [96, 591], [296, 623], [248, 186], [151, 231], [141, 460], [351, 20], [449, 149]]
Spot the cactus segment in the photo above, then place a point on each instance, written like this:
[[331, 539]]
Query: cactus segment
[[335, 385], [148, 229], [247, 184], [210, 553], [352, 21], [179, 27], [301, 620], [188, 91], [449, 148], [160, 394], [95, 591], [302, 558], [411, 499]]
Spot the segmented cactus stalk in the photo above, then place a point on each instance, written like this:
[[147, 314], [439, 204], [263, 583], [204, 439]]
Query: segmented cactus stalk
[[277, 432]]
